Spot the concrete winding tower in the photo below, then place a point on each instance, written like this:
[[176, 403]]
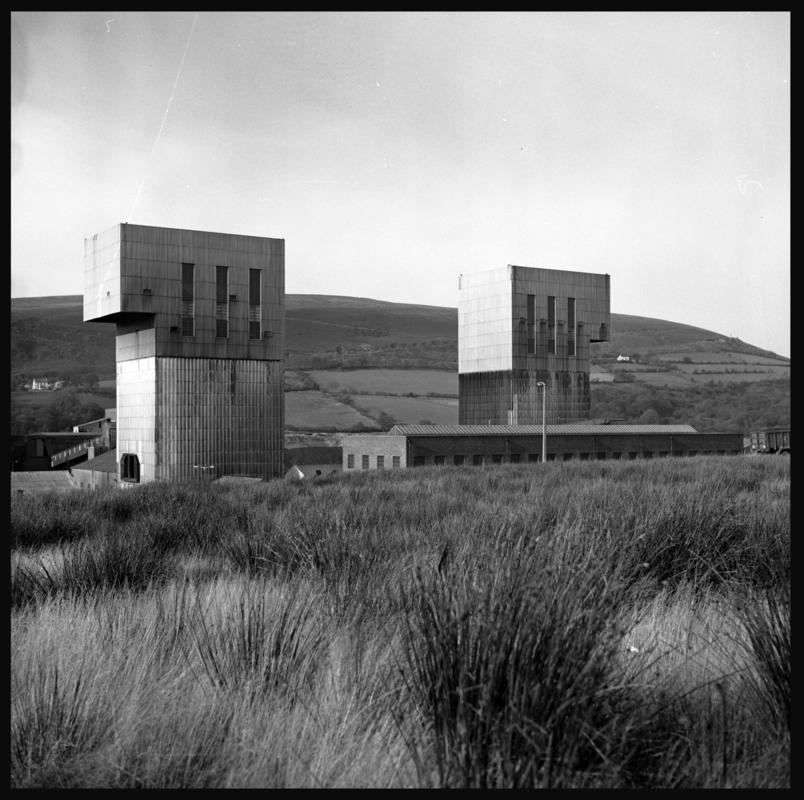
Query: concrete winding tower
[[199, 349], [519, 326]]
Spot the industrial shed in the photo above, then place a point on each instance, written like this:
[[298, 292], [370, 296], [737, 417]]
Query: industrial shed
[[97, 472], [480, 445]]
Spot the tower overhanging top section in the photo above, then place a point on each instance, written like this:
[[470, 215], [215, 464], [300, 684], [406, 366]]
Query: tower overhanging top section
[[125, 274]]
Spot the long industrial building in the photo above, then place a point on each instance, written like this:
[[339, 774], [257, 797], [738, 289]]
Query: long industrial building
[[523, 331], [481, 445], [199, 349]]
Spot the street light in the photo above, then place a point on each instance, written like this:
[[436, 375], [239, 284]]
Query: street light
[[544, 429]]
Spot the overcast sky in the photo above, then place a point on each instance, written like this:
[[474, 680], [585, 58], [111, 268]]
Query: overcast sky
[[394, 151]]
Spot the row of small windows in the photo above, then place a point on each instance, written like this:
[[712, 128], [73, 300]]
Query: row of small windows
[[481, 459], [222, 300], [364, 462]]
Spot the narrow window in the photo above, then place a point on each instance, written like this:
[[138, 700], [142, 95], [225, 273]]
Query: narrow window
[[477, 460], [457, 461], [551, 325], [692, 452], [129, 468], [584, 456], [221, 302], [396, 462], [551, 456], [439, 460], [567, 456], [350, 461], [615, 455], [570, 326], [365, 462], [380, 462], [514, 458], [531, 324], [663, 453], [254, 300], [632, 455], [534, 458], [647, 454], [600, 456], [187, 299], [418, 461], [497, 458]]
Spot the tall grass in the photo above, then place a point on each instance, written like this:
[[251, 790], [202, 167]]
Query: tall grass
[[510, 674], [584, 625]]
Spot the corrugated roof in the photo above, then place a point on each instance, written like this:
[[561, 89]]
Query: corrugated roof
[[574, 428], [37, 481]]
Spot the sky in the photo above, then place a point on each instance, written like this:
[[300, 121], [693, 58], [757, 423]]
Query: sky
[[395, 151]]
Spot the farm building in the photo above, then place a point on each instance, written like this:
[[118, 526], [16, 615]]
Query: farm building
[[522, 331], [199, 349], [479, 445]]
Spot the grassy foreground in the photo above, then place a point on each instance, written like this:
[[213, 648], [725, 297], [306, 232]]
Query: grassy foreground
[[624, 624]]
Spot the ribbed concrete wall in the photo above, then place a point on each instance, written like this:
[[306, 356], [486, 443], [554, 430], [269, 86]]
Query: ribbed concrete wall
[[512, 397], [200, 418]]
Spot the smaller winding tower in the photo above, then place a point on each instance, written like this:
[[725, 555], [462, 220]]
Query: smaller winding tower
[[519, 326]]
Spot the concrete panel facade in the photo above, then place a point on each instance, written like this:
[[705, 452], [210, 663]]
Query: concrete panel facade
[[199, 347], [521, 325]]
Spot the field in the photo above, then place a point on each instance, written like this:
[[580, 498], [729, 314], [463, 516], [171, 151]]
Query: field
[[388, 381], [318, 411], [620, 625], [45, 399], [415, 410]]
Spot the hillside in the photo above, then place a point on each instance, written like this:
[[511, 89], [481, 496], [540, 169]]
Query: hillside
[[49, 337], [362, 364]]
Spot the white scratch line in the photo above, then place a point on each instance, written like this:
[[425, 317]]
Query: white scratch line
[[108, 24], [136, 199], [175, 83], [167, 109]]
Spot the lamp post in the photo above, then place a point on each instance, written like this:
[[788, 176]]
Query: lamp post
[[544, 429]]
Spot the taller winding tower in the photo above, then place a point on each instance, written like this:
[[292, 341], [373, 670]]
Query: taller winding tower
[[200, 329], [519, 326]]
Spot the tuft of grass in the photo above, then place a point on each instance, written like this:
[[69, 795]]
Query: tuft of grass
[[55, 718], [510, 672], [105, 561], [765, 616], [256, 637]]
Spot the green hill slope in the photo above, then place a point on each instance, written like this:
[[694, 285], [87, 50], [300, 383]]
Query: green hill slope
[[676, 372]]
